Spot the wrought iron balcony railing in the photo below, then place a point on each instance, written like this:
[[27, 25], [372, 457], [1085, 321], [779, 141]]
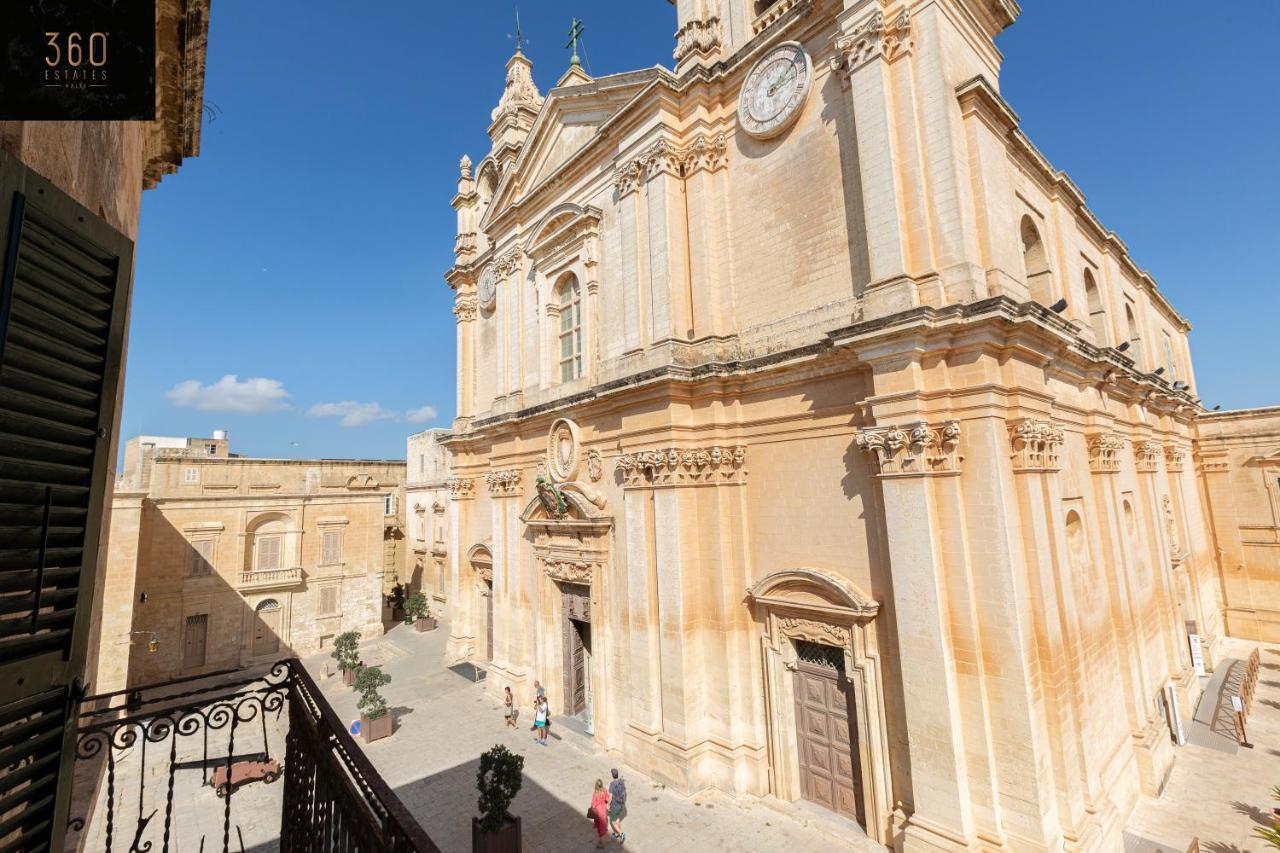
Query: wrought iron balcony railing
[[167, 767]]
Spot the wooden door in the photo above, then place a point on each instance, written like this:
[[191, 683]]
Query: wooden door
[[577, 667], [266, 637], [830, 775], [197, 636]]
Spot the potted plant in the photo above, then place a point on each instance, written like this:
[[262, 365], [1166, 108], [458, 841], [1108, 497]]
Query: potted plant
[[395, 600], [498, 780], [419, 610], [375, 722], [346, 651]]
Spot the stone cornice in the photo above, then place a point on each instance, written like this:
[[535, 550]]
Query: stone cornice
[[873, 39], [677, 466], [912, 450], [505, 483], [1035, 445], [665, 157], [1104, 452]]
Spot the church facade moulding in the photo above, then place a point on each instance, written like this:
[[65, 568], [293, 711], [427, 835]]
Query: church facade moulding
[[1104, 452], [876, 38], [912, 450], [464, 308], [568, 569], [678, 466], [704, 152], [1036, 445], [504, 484]]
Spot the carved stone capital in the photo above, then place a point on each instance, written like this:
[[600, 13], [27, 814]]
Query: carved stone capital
[[464, 245], [507, 263], [567, 570], [677, 466], [462, 488], [913, 450], [1175, 457], [664, 157], [1104, 452], [464, 308], [1035, 445], [873, 39], [700, 37], [505, 483], [1147, 456]]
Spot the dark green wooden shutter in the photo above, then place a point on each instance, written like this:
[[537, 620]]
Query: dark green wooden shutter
[[64, 291]]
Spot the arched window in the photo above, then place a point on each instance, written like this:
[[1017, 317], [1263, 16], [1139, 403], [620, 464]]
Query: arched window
[[1135, 339], [569, 299], [1036, 262], [1097, 314]]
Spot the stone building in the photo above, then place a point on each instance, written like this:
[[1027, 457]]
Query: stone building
[[426, 516], [1239, 456], [815, 440], [218, 561]]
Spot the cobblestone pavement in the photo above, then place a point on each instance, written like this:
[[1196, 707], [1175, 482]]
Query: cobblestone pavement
[[1218, 792], [445, 722]]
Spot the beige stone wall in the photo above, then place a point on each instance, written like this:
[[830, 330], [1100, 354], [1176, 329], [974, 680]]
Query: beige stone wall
[[151, 590], [427, 528], [1238, 458]]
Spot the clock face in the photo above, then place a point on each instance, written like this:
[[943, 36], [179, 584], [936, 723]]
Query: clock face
[[775, 90], [487, 289]]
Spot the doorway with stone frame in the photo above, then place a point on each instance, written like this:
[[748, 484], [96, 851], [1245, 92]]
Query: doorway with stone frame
[[824, 698], [575, 602]]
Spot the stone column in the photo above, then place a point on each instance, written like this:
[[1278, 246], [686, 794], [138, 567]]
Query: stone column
[[907, 458]]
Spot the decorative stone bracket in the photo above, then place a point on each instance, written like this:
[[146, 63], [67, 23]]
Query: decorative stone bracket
[[1035, 445], [913, 450], [462, 488], [1104, 452], [872, 39], [504, 484], [676, 466], [704, 152]]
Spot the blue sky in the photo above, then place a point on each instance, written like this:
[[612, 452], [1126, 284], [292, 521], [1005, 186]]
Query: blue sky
[[305, 247]]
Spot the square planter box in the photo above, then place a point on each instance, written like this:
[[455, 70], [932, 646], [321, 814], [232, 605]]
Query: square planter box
[[427, 623], [376, 729], [505, 840], [349, 677]]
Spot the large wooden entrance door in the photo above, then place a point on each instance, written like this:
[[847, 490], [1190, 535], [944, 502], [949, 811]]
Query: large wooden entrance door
[[266, 634], [197, 633], [576, 600], [829, 772]]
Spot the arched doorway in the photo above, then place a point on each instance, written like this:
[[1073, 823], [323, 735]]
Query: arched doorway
[[266, 628], [481, 559], [824, 695]]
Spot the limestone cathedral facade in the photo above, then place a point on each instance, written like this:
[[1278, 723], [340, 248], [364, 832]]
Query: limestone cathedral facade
[[816, 441]]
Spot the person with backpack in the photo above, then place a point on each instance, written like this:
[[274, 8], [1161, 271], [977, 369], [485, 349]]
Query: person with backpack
[[617, 806]]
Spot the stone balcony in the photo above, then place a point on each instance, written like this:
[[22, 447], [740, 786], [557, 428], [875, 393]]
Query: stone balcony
[[270, 579]]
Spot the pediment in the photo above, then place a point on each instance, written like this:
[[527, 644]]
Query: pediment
[[813, 590], [571, 116]]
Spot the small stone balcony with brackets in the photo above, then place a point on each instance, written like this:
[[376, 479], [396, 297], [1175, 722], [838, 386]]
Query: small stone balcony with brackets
[[270, 579]]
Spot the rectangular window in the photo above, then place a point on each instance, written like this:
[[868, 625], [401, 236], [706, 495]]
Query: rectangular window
[[268, 556], [328, 605], [330, 548], [194, 640], [211, 449], [422, 464], [191, 475], [201, 557], [389, 505]]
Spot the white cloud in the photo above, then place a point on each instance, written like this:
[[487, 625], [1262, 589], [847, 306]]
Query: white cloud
[[422, 415], [229, 394], [352, 414]]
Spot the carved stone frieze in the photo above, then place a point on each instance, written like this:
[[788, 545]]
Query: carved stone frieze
[[1104, 452], [876, 38], [701, 37], [663, 156], [507, 263], [1035, 445], [505, 483], [462, 488], [1147, 456], [569, 570], [914, 449], [799, 628], [464, 308], [1175, 457], [677, 466], [595, 465]]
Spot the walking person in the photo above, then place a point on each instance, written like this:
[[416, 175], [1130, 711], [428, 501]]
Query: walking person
[[540, 722], [539, 693], [617, 806], [509, 707], [599, 812]]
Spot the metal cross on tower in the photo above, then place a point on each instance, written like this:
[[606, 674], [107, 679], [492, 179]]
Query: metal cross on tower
[[575, 33]]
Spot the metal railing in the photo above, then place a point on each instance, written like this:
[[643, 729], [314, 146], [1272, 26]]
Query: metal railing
[[139, 749]]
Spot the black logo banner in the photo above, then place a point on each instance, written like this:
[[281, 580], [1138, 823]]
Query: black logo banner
[[78, 60]]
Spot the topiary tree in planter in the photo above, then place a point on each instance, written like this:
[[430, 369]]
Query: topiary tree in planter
[[418, 612], [375, 722], [346, 651], [498, 780], [395, 600]]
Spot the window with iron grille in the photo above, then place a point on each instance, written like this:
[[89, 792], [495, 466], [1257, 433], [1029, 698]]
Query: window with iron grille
[[330, 548], [201, 557], [818, 654]]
